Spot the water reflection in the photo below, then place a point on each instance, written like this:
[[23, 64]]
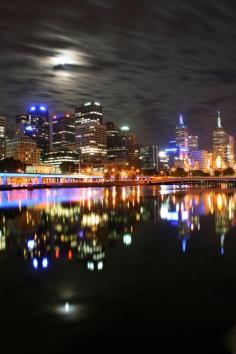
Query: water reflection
[[47, 226]]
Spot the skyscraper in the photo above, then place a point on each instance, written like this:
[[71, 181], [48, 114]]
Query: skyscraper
[[129, 146], [181, 136], [231, 152], [149, 158], [192, 143], [2, 136], [220, 145], [63, 130], [38, 127], [91, 134], [114, 148]]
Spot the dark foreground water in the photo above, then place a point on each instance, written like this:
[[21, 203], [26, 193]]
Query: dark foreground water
[[118, 270]]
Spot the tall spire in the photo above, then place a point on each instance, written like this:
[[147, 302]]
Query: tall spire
[[181, 120], [218, 120]]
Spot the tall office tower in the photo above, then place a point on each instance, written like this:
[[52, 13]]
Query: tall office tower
[[129, 146], [181, 136], [91, 134], [38, 127], [114, 147], [2, 136], [148, 156], [231, 152], [192, 143], [63, 141], [63, 130], [220, 145], [90, 112]]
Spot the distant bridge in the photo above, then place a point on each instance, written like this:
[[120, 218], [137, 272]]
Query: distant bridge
[[227, 181]]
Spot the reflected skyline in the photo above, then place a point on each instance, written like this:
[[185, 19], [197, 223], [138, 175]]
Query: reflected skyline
[[46, 226]]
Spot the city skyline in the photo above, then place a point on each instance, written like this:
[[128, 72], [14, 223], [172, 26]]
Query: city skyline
[[125, 55]]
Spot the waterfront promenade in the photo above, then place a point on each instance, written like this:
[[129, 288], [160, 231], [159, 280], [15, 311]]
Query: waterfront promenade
[[34, 180]]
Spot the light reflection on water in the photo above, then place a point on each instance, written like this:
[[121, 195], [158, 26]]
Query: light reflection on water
[[48, 225]]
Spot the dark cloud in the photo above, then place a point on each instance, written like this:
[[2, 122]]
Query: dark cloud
[[146, 61]]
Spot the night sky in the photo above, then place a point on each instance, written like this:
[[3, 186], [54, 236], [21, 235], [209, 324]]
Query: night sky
[[145, 61]]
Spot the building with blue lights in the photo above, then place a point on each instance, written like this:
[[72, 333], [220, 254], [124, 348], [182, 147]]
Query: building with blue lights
[[38, 127], [181, 137]]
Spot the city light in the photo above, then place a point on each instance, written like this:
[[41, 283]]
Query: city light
[[35, 263], [30, 244], [45, 262]]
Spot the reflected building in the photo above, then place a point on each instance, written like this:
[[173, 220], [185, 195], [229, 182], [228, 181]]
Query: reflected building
[[82, 224]]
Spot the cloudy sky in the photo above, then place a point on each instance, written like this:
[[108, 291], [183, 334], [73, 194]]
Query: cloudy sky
[[145, 61]]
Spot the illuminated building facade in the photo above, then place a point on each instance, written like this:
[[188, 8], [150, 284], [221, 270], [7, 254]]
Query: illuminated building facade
[[231, 152], [36, 125], [60, 156], [192, 143], [114, 145], [63, 130], [220, 145], [148, 156], [129, 146], [2, 136], [91, 133], [39, 127], [23, 149], [200, 160], [181, 136], [21, 122]]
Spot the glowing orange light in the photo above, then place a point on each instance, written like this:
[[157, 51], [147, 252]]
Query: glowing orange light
[[69, 254], [57, 253]]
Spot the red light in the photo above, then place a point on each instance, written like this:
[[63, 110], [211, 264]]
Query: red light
[[69, 254], [57, 253]]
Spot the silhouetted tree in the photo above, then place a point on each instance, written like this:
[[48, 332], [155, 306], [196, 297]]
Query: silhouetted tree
[[11, 165], [228, 171], [179, 172]]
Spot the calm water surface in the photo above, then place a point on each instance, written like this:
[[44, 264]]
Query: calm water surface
[[117, 270]]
